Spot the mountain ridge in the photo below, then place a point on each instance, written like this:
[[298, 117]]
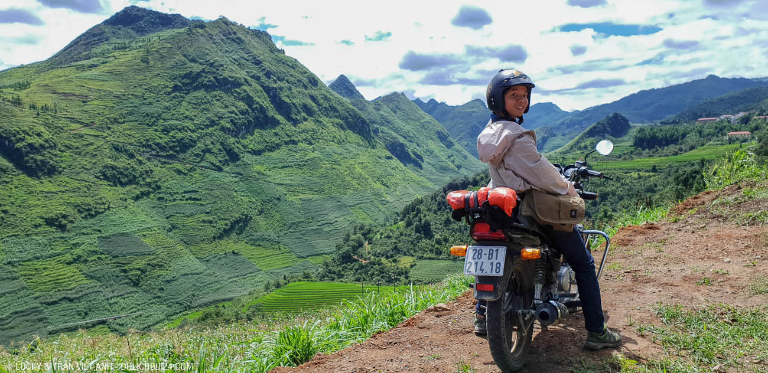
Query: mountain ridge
[[345, 88], [129, 23]]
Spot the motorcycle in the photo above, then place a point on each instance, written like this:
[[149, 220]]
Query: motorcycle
[[517, 272]]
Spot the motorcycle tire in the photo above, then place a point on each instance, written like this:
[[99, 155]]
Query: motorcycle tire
[[509, 347]]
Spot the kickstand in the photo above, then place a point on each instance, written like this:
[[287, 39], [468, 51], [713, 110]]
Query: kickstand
[[521, 320]]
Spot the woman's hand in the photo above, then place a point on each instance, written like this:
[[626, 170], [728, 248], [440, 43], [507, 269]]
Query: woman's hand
[[571, 190]]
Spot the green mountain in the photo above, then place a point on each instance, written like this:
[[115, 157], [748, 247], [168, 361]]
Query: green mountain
[[148, 169], [463, 122], [748, 99], [345, 88], [543, 114], [123, 27], [645, 106], [438, 110], [611, 127], [410, 135]]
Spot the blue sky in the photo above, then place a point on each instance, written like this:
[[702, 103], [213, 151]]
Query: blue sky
[[580, 53]]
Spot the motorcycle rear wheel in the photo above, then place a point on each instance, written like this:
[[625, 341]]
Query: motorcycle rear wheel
[[509, 347]]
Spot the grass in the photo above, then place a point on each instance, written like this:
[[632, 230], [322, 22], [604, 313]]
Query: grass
[[463, 367], [639, 217], [698, 340], [712, 335], [752, 218], [759, 285], [299, 343], [238, 347], [734, 167]]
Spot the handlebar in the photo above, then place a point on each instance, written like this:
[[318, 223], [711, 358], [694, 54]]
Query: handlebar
[[574, 173], [591, 173], [578, 172], [588, 196]]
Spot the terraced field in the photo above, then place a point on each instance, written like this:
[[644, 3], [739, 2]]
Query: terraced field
[[428, 271], [266, 258], [304, 296], [704, 152]]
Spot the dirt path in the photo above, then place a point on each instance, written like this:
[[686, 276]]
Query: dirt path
[[705, 254]]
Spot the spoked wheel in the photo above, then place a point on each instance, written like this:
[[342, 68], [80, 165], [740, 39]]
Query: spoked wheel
[[510, 328]]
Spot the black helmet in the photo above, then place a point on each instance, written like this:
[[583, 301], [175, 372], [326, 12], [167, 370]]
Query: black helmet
[[504, 79]]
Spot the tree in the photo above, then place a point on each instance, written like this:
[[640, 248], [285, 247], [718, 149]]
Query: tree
[[762, 143]]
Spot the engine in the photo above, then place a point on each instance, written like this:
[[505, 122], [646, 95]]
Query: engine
[[566, 279]]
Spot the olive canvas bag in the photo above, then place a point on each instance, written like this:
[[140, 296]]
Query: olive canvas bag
[[561, 211]]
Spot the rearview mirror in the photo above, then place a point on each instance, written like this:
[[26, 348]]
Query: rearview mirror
[[604, 147]]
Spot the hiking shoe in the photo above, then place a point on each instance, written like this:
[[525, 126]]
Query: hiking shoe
[[608, 338], [480, 328]]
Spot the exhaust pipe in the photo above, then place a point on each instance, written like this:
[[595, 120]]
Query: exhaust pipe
[[551, 311]]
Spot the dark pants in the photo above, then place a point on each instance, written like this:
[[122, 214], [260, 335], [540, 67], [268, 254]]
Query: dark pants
[[580, 259]]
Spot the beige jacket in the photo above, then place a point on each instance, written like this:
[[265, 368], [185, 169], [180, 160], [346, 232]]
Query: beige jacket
[[514, 162]]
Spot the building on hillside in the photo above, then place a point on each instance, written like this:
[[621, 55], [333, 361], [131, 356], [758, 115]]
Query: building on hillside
[[707, 120], [737, 116], [740, 134], [727, 117], [763, 117]]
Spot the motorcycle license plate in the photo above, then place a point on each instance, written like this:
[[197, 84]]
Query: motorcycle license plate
[[485, 260]]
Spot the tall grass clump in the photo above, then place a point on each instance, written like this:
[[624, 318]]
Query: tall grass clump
[[296, 344], [733, 168], [641, 216]]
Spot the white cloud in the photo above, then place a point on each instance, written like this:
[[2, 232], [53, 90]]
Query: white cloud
[[371, 42]]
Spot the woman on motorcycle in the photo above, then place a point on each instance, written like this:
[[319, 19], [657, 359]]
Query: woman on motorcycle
[[514, 162]]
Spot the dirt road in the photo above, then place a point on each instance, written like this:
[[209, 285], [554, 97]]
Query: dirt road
[[712, 235]]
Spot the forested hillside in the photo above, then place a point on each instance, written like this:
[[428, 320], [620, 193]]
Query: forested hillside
[[752, 99], [643, 107], [611, 127], [410, 135], [148, 169], [463, 122], [691, 135], [423, 230]]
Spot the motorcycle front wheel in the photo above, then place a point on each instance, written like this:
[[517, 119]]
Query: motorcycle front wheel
[[508, 338]]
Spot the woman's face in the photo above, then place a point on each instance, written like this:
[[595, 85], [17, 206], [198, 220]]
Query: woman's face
[[516, 100]]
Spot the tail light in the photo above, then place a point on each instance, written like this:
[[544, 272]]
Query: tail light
[[484, 287], [459, 250], [481, 231], [530, 254]]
